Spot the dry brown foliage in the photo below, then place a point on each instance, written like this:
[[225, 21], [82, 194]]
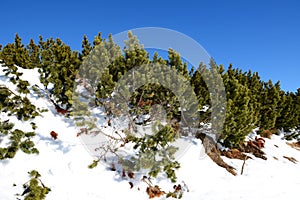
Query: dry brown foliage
[[154, 191], [235, 154], [295, 145], [54, 135], [251, 147], [266, 134]]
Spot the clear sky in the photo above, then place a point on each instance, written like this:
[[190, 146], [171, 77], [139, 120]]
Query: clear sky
[[261, 35]]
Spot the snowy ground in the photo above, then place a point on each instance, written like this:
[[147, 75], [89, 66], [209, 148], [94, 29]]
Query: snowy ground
[[63, 166]]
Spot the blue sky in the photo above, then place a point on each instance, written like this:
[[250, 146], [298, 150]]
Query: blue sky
[[261, 35]]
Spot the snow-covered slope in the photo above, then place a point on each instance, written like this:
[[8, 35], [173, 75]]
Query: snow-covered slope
[[63, 166]]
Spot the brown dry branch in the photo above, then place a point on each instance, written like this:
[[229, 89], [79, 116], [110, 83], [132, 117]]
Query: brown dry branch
[[242, 171], [213, 152], [58, 109], [293, 160], [295, 145]]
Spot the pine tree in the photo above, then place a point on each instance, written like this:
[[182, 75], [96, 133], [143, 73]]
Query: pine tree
[[15, 54], [297, 109], [138, 84], [200, 87], [240, 116], [255, 86], [34, 54], [287, 115], [153, 147], [86, 48], [99, 65], [290, 112], [175, 62], [34, 189], [269, 105], [59, 66], [97, 39], [106, 88]]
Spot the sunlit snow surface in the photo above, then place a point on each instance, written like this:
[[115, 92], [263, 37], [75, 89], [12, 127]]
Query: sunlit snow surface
[[63, 166]]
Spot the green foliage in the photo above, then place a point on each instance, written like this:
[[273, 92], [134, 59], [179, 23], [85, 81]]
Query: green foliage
[[22, 85], [289, 118], [200, 87], [59, 66], [15, 54], [175, 62], [212, 98], [94, 164], [11, 58], [18, 140], [105, 89], [178, 191], [240, 117], [270, 108], [297, 107], [14, 104], [156, 81], [86, 47], [255, 86], [34, 54], [105, 67], [152, 147], [102, 65], [82, 114], [98, 68], [34, 189]]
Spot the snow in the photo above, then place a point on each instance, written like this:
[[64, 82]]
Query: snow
[[63, 166]]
